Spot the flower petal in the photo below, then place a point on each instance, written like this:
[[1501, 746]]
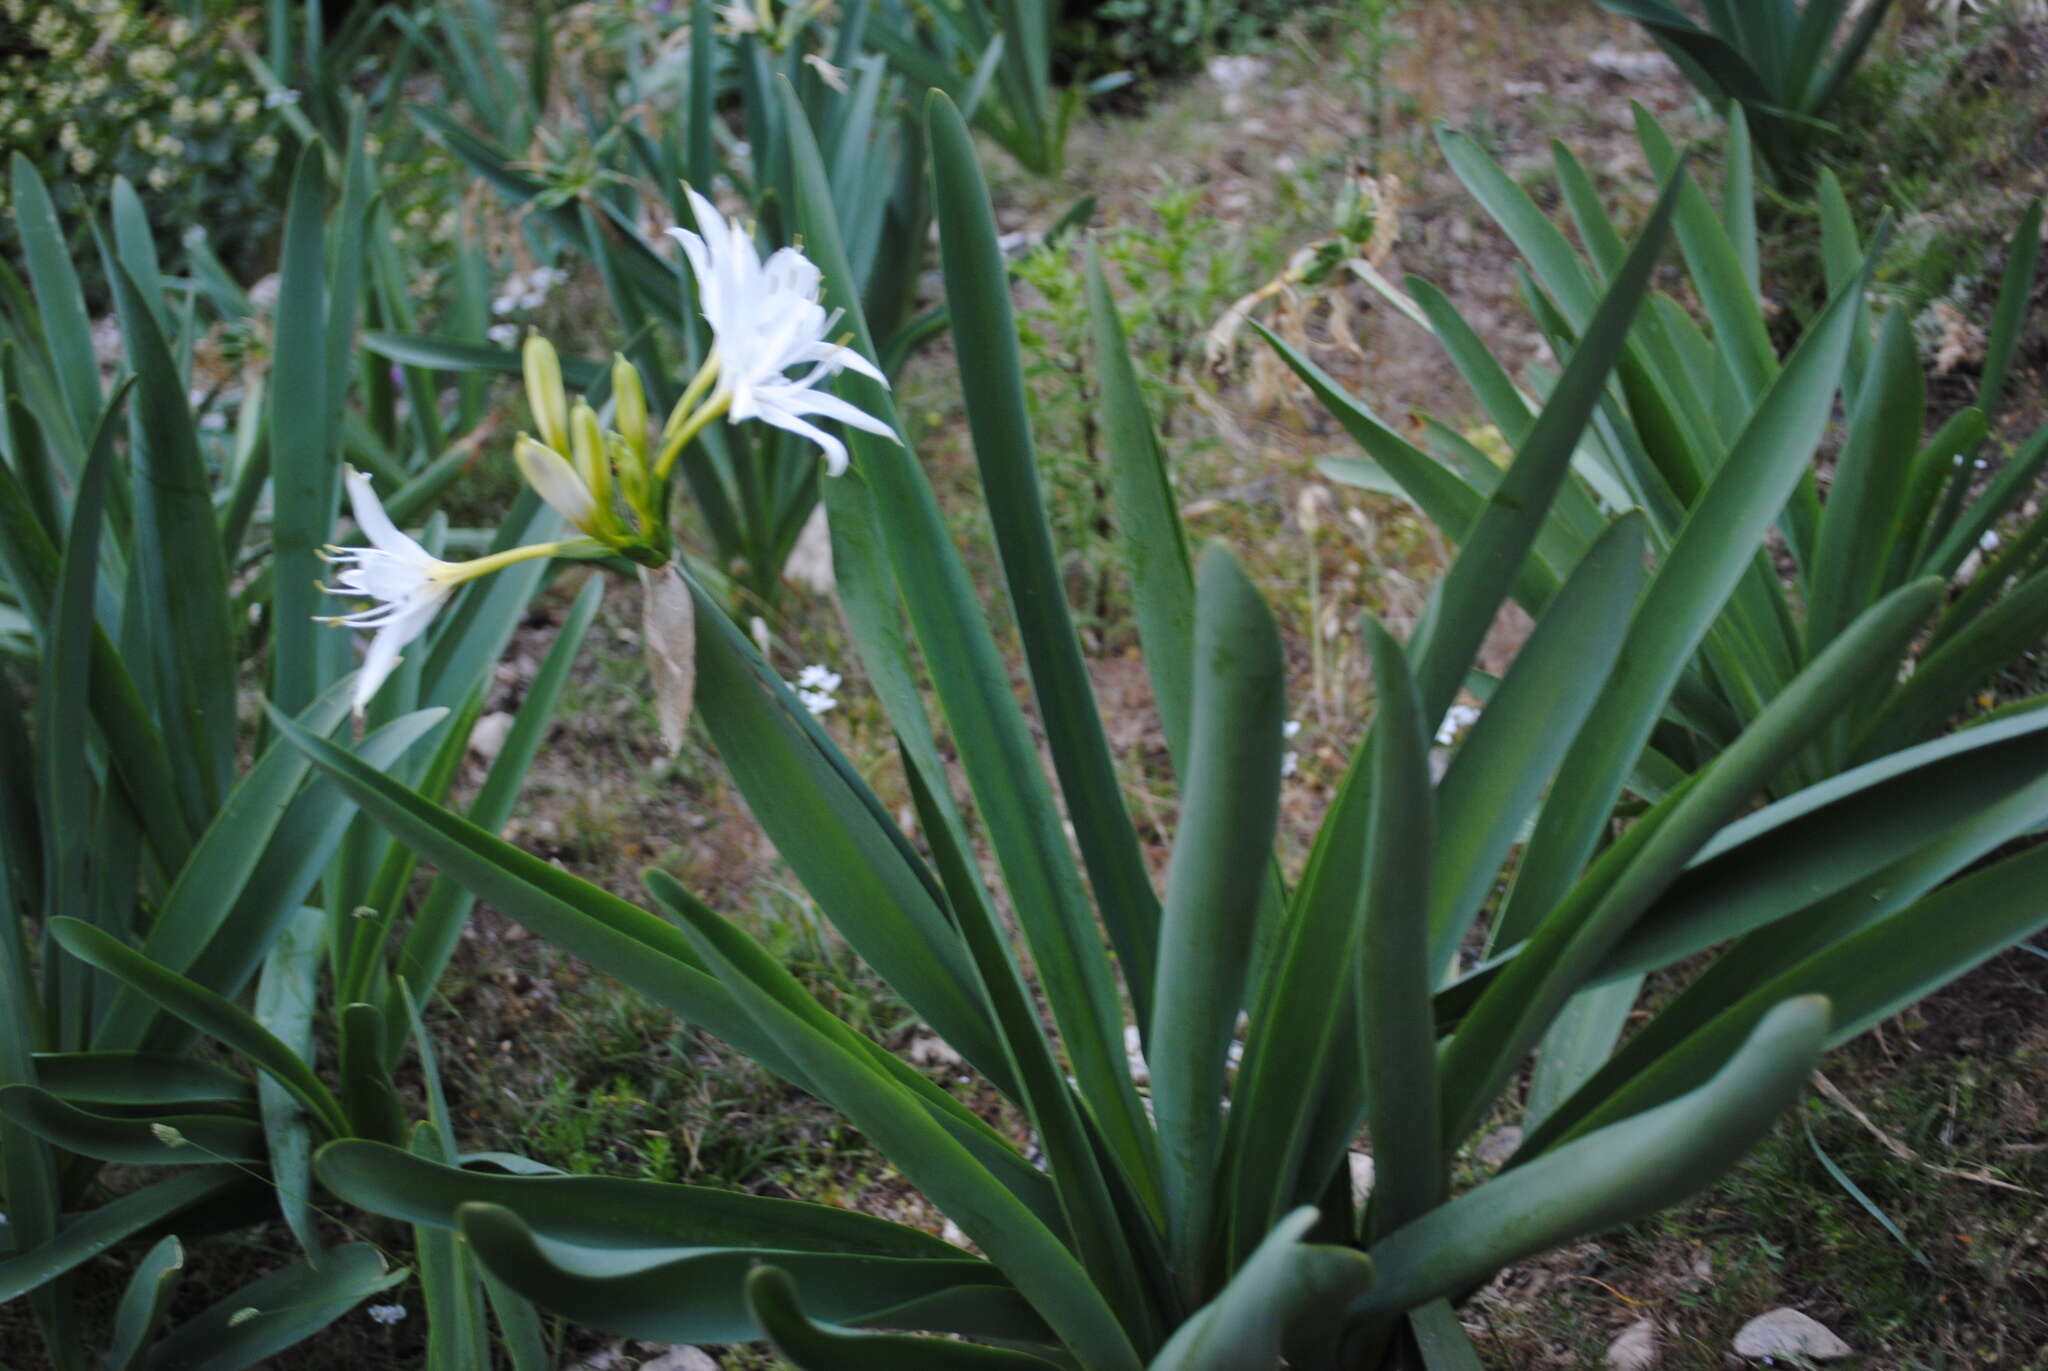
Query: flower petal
[[834, 450], [382, 658], [803, 400], [375, 523]]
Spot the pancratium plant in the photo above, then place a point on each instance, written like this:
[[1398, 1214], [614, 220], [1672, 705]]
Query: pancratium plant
[[613, 485], [1218, 1228]]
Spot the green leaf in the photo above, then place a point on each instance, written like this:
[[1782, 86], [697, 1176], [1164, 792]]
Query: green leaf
[[144, 1302], [696, 1294], [287, 997], [137, 1078], [2015, 290], [1871, 478], [59, 301], [1629, 1169], [1499, 539], [1498, 775], [600, 1211], [1213, 891], [1287, 1290], [1043, 1269], [178, 543], [305, 472], [95, 1232], [279, 1311], [772, 1298], [1570, 942], [136, 1141], [1876, 972], [204, 1010], [1397, 1036], [1017, 809], [1713, 552], [1149, 530]]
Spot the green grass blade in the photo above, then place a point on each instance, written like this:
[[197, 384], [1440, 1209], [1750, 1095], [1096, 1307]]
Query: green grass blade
[[293, 1304]]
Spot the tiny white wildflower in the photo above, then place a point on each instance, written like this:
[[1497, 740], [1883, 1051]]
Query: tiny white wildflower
[[766, 318], [504, 335], [815, 677], [280, 97], [1989, 542], [1290, 762], [386, 1314], [1456, 720]]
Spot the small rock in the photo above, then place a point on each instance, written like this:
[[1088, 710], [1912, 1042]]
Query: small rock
[[487, 739], [1635, 1348], [1785, 1333], [1134, 1055], [681, 1358], [1362, 1174], [928, 1050], [1496, 1147], [810, 561], [952, 1233]]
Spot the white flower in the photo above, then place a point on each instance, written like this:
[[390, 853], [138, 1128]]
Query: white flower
[[817, 688], [280, 97], [1989, 542], [504, 335], [765, 318], [407, 583], [386, 1313], [1456, 720]]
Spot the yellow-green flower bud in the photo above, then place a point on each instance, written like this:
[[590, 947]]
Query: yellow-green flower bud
[[587, 447], [544, 393], [629, 404]]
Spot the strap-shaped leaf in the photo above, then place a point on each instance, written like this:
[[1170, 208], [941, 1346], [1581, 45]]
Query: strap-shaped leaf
[[831, 832], [204, 1010], [601, 1211], [1043, 1269], [1499, 539], [1397, 1040], [1714, 550], [1213, 891], [1871, 975], [137, 1078], [1022, 822], [1570, 943], [1871, 478], [290, 1306], [772, 1298], [95, 1232], [1149, 530], [60, 305], [1286, 1290], [287, 997], [1631, 1168], [1497, 778], [177, 542], [144, 1302], [154, 1140]]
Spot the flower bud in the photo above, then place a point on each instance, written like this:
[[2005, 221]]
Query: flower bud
[[544, 393], [556, 482], [629, 404], [586, 442]]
